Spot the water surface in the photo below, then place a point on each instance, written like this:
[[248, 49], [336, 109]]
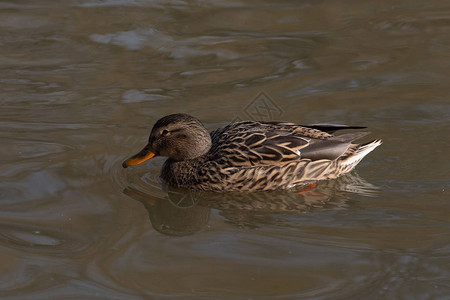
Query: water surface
[[82, 82]]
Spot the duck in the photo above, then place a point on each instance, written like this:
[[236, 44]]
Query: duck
[[250, 155]]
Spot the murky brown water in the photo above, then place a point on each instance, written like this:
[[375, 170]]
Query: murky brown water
[[81, 84]]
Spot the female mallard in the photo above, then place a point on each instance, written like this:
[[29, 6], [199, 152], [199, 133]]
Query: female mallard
[[250, 156]]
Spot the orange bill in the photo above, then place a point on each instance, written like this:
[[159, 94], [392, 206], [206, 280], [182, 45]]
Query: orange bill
[[143, 155]]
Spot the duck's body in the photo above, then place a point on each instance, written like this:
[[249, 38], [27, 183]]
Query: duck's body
[[250, 156]]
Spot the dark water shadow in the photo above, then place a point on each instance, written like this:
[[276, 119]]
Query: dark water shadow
[[183, 212]]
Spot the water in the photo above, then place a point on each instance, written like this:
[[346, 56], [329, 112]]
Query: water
[[82, 82]]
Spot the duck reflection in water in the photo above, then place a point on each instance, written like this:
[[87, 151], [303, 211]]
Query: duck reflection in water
[[183, 212]]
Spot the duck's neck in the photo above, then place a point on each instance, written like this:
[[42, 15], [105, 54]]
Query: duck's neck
[[180, 173]]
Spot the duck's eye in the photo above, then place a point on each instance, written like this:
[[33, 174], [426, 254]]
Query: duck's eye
[[164, 132]]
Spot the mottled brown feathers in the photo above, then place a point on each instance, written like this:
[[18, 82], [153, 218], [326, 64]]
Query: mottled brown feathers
[[250, 156]]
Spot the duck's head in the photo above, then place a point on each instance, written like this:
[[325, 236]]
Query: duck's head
[[178, 136]]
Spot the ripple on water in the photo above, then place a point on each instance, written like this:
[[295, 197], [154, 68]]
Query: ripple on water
[[28, 187], [28, 149], [143, 177], [243, 261], [42, 239]]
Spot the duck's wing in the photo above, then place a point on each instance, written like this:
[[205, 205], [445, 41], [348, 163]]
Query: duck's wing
[[330, 148], [255, 144]]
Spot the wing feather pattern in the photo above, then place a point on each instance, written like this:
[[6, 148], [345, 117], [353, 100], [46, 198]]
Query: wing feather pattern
[[255, 144]]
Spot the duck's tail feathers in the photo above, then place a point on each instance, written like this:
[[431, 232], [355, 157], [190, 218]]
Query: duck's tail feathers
[[362, 151]]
